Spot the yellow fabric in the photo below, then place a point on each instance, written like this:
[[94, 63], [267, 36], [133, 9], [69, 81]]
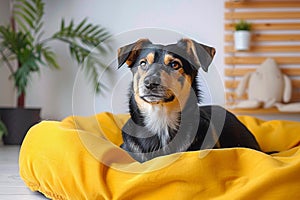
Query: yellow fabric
[[79, 158]]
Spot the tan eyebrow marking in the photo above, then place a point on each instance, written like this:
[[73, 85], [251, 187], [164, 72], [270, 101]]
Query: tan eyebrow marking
[[150, 58], [169, 58]]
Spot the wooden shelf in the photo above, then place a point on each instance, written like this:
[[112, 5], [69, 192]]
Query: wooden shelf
[[261, 111]]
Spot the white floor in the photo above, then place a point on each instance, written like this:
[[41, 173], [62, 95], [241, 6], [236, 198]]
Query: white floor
[[11, 185]]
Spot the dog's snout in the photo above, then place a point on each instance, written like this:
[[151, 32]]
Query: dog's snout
[[152, 81]]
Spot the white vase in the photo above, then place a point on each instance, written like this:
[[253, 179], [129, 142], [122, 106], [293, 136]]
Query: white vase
[[242, 40]]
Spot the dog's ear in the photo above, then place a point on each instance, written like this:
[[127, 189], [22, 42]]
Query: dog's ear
[[130, 52], [200, 55]]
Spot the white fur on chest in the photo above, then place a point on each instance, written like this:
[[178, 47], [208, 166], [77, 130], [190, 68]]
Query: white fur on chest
[[158, 120]]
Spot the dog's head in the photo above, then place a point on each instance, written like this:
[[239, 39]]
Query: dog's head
[[164, 74]]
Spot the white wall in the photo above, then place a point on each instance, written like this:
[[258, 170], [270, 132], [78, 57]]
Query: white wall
[[53, 90]]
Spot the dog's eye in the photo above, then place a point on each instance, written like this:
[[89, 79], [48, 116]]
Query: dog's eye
[[175, 65], [143, 63]]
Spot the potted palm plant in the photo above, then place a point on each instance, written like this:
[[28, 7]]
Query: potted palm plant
[[23, 50], [242, 35]]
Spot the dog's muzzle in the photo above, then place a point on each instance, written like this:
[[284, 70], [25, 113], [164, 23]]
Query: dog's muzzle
[[152, 90]]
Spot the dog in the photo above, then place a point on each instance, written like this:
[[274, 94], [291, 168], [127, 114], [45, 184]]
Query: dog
[[164, 102]]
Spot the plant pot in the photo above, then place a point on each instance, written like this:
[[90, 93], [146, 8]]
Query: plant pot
[[18, 121], [242, 40]]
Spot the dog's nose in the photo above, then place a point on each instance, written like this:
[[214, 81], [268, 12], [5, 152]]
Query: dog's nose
[[151, 82]]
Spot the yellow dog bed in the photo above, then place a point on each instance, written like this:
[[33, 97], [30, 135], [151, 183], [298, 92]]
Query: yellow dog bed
[[79, 158]]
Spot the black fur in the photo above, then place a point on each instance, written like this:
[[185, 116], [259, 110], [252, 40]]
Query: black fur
[[200, 127]]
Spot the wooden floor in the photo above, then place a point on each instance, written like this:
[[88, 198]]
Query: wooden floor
[[11, 185]]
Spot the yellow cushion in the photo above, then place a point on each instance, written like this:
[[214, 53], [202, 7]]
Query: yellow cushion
[[79, 158]]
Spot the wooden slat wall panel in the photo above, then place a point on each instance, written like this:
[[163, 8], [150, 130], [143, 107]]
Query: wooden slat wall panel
[[242, 60], [262, 15], [266, 4], [242, 71], [263, 49], [232, 84], [232, 95], [275, 32], [268, 37], [296, 96], [268, 26]]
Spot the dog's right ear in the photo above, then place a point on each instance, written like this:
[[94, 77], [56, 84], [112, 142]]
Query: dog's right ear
[[130, 52], [200, 55]]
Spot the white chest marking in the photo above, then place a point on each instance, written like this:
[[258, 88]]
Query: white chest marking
[[158, 120]]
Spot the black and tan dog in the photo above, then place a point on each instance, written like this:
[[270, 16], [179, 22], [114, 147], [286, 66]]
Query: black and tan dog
[[163, 103]]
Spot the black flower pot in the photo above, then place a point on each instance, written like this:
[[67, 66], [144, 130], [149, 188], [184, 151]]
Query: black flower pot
[[18, 121]]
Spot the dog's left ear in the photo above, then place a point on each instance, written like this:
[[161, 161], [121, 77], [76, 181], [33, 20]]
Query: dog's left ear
[[200, 54], [130, 52]]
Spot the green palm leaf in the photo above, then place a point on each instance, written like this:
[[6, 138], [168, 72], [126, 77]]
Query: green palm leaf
[[26, 45], [28, 15], [84, 43], [49, 57], [91, 65]]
